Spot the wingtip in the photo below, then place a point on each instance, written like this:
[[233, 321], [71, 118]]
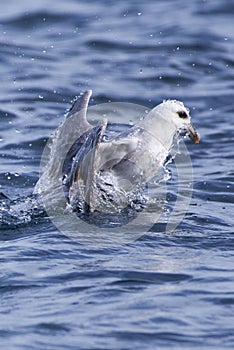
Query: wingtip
[[86, 93], [79, 103]]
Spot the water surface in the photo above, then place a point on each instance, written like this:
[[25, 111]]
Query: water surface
[[164, 290]]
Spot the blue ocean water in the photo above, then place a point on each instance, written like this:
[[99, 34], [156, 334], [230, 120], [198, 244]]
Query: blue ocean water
[[164, 290]]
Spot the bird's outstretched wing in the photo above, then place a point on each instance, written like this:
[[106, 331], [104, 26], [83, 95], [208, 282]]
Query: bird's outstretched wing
[[80, 105]]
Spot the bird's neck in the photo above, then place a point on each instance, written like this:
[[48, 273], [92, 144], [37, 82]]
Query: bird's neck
[[159, 128]]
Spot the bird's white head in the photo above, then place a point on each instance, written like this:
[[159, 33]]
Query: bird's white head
[[173, 113]]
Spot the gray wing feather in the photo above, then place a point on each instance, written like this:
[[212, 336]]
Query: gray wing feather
[[80, 104]]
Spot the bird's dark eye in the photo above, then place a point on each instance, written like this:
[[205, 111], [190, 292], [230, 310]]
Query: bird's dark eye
[[182, 114]]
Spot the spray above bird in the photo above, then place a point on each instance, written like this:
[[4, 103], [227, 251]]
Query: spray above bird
[[102, 171]]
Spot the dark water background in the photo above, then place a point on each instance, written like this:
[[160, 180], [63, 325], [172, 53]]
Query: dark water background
[[163, 291]]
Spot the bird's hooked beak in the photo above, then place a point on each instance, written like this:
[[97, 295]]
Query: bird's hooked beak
[[193, 135]]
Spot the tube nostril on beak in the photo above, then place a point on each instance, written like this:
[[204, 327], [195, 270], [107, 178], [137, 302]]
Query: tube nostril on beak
[[193, 135]]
